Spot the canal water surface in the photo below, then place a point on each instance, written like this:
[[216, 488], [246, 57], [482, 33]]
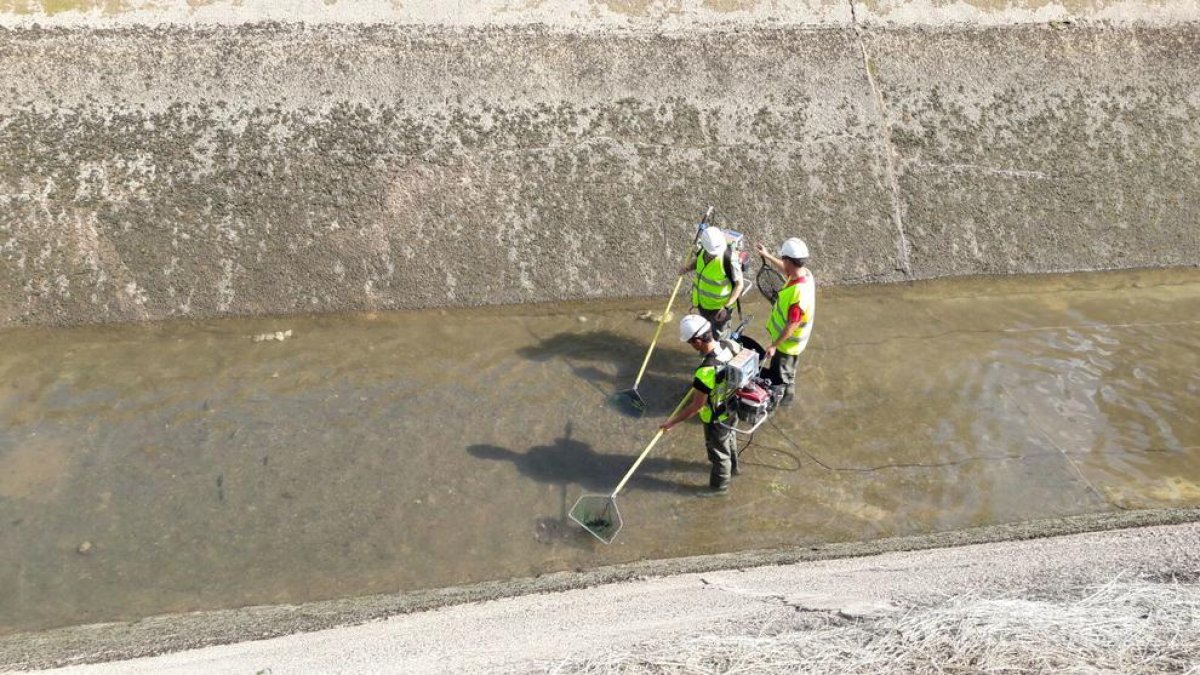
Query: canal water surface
[[192, 465]]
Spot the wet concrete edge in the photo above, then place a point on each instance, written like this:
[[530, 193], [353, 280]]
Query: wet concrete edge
[[169, 633]]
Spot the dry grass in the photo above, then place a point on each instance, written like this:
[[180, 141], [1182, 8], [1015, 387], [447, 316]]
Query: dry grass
[[1122, 627]]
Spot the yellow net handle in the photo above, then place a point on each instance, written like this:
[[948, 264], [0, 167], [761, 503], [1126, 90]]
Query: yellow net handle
[[653, 441], [657, 331]]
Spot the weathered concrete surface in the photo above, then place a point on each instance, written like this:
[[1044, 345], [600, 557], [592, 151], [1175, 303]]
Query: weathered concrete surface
[[689, 613], [1038, 149], [152, 171], [662, 15]]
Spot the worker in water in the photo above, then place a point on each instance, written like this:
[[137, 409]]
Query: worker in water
[[791, 319], [708, 396], [718, 283]]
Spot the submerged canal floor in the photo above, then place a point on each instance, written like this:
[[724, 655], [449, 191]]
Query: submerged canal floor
[[183, 466]]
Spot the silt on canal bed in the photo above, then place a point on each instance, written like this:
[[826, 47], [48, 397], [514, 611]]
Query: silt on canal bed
[[376, 453]]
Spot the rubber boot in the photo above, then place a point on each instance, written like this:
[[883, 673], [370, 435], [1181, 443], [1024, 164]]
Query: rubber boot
[[777, 393]]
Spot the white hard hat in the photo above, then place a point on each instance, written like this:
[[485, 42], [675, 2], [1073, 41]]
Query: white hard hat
[[794, 248], [693, 326], [713, 240]]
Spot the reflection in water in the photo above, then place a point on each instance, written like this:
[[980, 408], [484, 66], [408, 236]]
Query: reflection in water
[[180, 466], [1107, 397]]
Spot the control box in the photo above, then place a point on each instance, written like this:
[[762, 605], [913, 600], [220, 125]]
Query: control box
[[742, 367]]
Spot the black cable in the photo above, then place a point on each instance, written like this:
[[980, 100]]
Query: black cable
[[1113, 503], [749, 442]]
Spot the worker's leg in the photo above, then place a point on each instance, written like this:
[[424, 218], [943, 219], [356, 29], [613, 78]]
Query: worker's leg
[[720, 328], [783, 374], [719, 443]]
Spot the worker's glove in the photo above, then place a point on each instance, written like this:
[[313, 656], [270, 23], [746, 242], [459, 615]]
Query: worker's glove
[[722, 315]]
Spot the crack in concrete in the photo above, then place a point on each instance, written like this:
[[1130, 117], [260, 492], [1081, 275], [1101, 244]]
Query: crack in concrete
[[1050, 439], [770, 598], [885, 142]]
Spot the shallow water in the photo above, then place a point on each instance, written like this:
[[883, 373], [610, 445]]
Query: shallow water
[[183, 466]]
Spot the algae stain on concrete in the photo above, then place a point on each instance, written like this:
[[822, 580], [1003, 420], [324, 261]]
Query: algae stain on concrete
[[641, 8], [1176, 489], [52, 7], [730, 5], [196, 4], [1169, 490], [884, 7]]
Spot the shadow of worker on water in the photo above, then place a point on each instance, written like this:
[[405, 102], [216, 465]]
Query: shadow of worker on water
[[610, 361], [568, 461]]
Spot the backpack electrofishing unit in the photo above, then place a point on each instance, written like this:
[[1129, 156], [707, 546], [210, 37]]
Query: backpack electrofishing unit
[[735, 253], [749, 397]]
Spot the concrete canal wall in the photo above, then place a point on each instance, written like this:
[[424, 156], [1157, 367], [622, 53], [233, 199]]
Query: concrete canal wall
[[200, 158]]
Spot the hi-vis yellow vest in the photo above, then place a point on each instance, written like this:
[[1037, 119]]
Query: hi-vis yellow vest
[[712, 373], [711, 289], [801, 293]]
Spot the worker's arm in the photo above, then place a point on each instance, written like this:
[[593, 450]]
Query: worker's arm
[[787, 330], [795, 320], [775, 262], [697, 401], [737, 293], [689, 265]]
